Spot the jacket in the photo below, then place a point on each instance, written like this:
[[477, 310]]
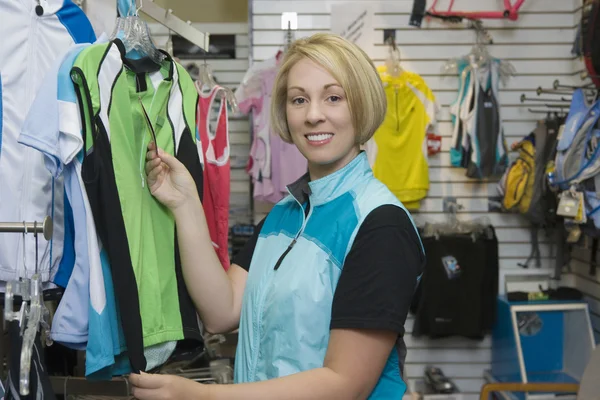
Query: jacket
[[295, 268]]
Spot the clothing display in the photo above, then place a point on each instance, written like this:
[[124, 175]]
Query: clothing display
[[478, 142], [28, 191], [162, 101], [398, 150], [281, 259], [88, 303], [214, 136], [105, 310], [458, 291], [273, 163]]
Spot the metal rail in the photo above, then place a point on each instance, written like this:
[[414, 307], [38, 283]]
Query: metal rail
[[45, 227]]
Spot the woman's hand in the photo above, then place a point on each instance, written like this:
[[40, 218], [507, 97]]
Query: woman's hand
[[168, 179], [166, 387]]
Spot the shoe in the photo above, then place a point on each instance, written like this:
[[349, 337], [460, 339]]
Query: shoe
[[438, 382]]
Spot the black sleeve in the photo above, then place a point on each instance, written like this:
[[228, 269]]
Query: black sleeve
[[244, 256], [380, 273]]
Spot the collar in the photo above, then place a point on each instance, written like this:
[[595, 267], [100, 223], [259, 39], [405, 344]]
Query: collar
[[146, 64], [330, 187]]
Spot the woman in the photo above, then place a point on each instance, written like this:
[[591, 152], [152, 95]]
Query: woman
[[321, 295]]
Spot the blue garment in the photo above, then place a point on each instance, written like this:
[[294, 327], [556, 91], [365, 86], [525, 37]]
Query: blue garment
[[577, 155], [297, 262]]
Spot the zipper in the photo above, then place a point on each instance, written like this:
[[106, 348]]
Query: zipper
[[257, 323], [285, 253], [289, 248], [142, 147]]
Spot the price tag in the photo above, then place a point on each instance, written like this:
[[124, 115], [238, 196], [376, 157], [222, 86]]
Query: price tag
[[434, 143], [568, 206]]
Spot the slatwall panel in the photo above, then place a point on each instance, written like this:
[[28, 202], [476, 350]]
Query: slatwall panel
[[228, 73], [538, 45]]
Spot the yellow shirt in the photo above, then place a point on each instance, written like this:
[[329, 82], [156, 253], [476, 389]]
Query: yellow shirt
[[398, 152]]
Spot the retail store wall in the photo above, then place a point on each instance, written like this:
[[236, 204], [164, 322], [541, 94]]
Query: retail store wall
[[588, 283], [538, 45], [228, 73]]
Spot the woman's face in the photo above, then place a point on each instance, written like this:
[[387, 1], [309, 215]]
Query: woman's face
[[318, 117]]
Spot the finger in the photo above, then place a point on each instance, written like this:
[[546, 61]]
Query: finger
[[151, 145], [150, 165], [151, 155], [156, 171], [168, 159], [147, 381], [153, 176]]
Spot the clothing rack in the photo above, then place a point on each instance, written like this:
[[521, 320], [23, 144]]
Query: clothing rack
[[117, 387], [45, 227]]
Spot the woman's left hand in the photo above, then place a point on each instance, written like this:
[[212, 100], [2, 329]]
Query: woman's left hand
[[166, 387]]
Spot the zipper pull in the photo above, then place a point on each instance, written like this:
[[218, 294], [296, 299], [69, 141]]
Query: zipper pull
[[278, 263]]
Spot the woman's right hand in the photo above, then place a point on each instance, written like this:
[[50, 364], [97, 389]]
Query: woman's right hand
[[168, 179]]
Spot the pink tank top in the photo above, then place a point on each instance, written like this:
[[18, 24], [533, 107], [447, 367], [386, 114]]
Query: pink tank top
[[214, 136]]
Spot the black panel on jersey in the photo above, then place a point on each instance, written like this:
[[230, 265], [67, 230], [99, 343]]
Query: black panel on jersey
[[188, 155], [98, 175]]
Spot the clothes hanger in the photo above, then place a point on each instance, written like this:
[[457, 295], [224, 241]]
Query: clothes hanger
[[35, 317], [135, 35], [206, 82], [453, 225], [17, 287], [393, 61]]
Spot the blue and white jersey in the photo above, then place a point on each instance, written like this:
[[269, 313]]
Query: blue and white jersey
[[28, 190]]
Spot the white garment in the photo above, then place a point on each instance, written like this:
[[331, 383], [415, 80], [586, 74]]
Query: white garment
[[27, 190], [102, 14]]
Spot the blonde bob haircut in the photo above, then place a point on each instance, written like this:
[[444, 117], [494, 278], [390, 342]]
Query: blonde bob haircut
[[351, 68]]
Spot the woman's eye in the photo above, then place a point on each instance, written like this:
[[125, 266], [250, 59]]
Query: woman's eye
[[334, 98], [298, 100]]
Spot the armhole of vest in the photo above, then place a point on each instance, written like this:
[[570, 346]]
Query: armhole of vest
[[461, 88], [195, 136], [219, 90], [470, 94], [85, 105]]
